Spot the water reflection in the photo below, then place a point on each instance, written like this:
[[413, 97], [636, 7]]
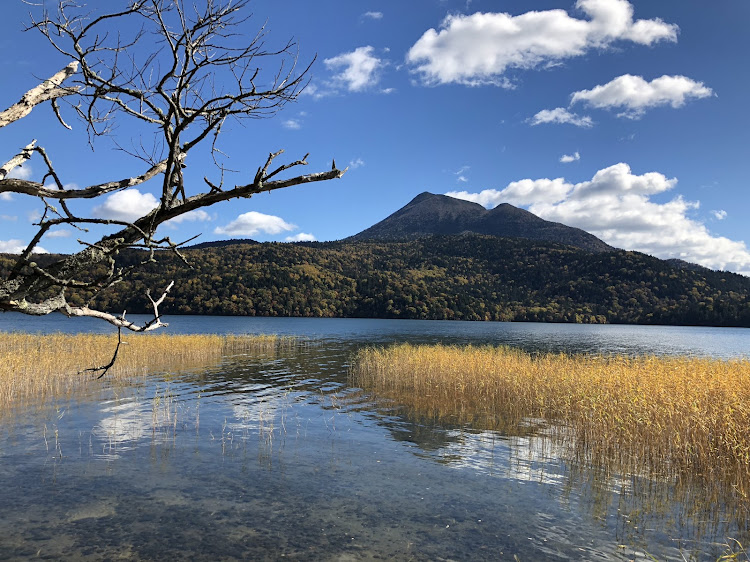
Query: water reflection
[[125, 422], [645, 514], [122, 424], [270, 456]]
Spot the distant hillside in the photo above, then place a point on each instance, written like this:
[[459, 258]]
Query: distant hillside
[[430, 214], [682, 264], [467, 277], [221, 243]]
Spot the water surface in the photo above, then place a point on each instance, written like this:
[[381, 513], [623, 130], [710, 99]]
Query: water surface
[[275, 455]]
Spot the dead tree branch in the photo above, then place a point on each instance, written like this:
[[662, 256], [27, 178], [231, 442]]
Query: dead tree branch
[[181, 72], [48, 90]]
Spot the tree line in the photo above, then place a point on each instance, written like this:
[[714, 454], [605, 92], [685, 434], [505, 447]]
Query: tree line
[[467, 277]]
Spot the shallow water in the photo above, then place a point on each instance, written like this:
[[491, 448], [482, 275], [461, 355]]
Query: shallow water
[[263, 457]]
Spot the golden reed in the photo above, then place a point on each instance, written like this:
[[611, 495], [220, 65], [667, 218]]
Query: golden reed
[[35, 368], [661, 415]]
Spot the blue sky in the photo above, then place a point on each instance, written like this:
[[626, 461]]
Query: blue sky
[[627, 119]]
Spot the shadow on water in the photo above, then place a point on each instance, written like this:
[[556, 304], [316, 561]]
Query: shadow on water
[[273, 455]]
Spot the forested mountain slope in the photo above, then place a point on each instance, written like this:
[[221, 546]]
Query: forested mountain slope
[[469, 277]]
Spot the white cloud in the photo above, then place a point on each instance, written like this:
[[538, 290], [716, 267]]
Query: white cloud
[[461, 174], [198, 215], [616, 206], [34, 216], [301, 237], [560, 115], [17, 246], [8, 217], [253, 223], [357, 163], [358, 69], [127, 205], [313, 90], [5, 196], [719, 215], [52, 185], [478, 49], [634, 95], [523, 192], [567, 158], [23, 172], [60, 233], [373, 15], [292, 124]]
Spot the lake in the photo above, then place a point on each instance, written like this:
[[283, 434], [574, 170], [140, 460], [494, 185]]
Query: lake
[[274, 456]]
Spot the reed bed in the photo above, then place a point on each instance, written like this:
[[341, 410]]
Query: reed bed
[[659, 415], [35, 368]]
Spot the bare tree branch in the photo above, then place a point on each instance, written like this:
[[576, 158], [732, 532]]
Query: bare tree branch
[[36, 189], [16, 161], [105, 368], [181, 73], [119, 321], [48, 90]]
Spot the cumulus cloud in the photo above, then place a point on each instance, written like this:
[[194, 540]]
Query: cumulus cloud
[[292, 124], [478, 49], [6, 196], [373, 15], [127, 205], [523, 192], [23, 172], [567, 158], [357, 70], [8, 217], [356, 163], [60, 233], [560, 115], [616, 206], [301, 237], [17, 246], [253, 223], [198, 215], [719, 215], [634, 95]]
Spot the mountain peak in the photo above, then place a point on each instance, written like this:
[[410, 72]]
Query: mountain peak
[[430, 214], [424, 196], [437, 200]]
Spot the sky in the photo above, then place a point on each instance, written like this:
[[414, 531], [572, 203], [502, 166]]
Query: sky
[[626, 119]]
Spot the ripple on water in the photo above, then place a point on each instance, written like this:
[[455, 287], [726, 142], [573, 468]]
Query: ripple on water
[[263, 458]]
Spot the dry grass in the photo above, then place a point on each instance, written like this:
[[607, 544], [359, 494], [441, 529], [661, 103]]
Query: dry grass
[[659, 415], [35, 369]]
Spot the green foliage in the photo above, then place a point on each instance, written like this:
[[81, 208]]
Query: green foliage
[[469, 277]]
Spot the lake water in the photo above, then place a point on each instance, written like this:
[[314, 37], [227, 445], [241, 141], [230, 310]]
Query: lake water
[[276, 456]]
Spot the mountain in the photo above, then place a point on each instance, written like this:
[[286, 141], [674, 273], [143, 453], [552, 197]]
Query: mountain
[[437, 258], [466, 276], [221, 243], [429, 214], [682, 264]]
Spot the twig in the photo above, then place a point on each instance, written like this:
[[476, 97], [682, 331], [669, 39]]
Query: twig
[[105, 368]]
